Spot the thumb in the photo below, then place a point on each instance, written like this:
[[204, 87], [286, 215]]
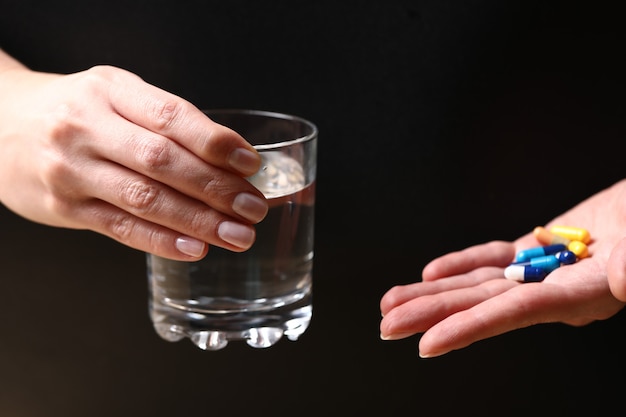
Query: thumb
[[616, 270]]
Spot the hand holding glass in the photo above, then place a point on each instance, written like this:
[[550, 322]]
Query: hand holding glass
[[265, 292]]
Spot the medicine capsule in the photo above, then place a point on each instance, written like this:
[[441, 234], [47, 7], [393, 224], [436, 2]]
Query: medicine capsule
[[528, 254], [547, 238], [547, 262], [571, 233], [579, 249], [565, 257], [524, 273]]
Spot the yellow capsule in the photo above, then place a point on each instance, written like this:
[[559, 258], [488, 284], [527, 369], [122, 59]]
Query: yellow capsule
[[546, 238], [572, 233], [579, 249]]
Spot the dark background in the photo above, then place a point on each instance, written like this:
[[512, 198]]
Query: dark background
[[442, 124]]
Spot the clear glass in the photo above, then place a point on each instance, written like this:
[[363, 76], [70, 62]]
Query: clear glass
[[265, 292]]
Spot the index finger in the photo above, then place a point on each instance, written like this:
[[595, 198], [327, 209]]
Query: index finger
[[494, 253], [174, 117], [401, 294]]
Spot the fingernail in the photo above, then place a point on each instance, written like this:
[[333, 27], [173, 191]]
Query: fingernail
[[244, 161], [190, 246], [395, 336], [431, 355], [236, 234], [250, 207]]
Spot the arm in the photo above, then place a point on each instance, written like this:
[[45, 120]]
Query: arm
[[103, 150]]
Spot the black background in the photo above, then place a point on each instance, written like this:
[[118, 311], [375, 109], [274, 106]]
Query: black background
[[442, 124]]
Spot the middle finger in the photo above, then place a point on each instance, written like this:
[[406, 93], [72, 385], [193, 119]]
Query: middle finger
[[421, 313], [165, 161], [160, 204]]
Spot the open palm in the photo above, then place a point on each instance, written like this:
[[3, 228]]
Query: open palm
[[463, 296]]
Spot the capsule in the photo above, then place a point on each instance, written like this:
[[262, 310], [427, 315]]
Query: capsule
[[547, 238], [565, 257], [528, 254], [550, 262], [547, 262], [571, 233], [579, 249], [524, 273]]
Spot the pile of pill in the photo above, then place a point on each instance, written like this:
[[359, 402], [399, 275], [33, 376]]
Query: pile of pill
[[561, 245]]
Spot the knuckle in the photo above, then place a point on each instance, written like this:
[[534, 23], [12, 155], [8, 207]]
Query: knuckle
[[61, 206], [54, 172], [95, 80], [199, 225], [104, 75], [68, 118], [154, 154], [140, 195], [200, 222], [164, 113], [100, 71], [122, 228], [215, 186], [154, 242], [64, 124], [129, 230], [57, 174]]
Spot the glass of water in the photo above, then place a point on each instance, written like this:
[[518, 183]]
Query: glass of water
[[264, 293]]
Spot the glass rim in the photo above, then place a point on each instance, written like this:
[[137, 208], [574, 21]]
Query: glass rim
[[274, 115]]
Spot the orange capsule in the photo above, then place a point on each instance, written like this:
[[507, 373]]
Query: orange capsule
[[572, 233], [547, 238]]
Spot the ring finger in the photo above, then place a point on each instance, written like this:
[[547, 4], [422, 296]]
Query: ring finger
[[157, 203]]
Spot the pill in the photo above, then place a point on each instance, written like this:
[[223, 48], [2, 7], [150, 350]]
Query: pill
[[527, 254], [571, 233], [547, 262], [579, 249], [525, 273], [565, 257], [547, 238]]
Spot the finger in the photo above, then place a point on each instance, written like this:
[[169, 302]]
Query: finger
[[400, 294], [420, 314], [132, 231], [521, 306], [616, 270], [169, 163], [495, 253], [154, 203], [171, 116]]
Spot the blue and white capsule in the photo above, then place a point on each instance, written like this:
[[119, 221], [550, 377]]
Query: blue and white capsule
[[524, 273], [527, 254], [536, 269]]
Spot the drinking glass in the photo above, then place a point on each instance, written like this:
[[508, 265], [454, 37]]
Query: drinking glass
[[265, 292]]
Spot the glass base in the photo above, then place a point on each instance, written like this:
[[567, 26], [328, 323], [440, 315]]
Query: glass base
[[261, 332]]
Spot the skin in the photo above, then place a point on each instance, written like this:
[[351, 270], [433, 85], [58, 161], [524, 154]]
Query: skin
[[105, 151], [464, 298]]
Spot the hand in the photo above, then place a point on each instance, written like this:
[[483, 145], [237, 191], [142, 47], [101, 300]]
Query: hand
[[105, 151], [464, 297]]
